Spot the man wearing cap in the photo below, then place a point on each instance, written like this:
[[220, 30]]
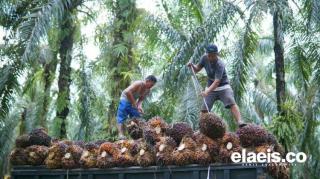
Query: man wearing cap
[[218, 87]]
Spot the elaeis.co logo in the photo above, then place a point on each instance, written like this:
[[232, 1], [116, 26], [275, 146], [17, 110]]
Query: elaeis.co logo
[[269, 157]]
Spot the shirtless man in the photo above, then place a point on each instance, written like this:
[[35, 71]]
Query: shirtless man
[[131, 101]]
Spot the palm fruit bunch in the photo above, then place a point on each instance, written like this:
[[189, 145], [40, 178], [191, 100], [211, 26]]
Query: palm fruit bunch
[[164, 149], [23, 141], [158, 124], [37, 154], [55, 155], [71, 159], [40, 137], [230, 143], [79, 143], [146, 155], [106, 154], [213, 146], [19, 156], [277, 147], [279, 170], [150, 135], [185, 153], [202, 155], [89, 155], [252, 135], [135, 128], [212, 125], [124, 158], [35, 137], [178, 130]]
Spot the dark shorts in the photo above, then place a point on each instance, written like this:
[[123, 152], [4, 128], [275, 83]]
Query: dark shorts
[[226, 96], [126, 110]]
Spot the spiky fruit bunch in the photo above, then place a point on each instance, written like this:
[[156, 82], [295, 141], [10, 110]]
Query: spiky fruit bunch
[[230, 143], [178, 130], [80, 143], [166, 145], [105, 158], [252, 135], [72, 157], [37, 154], [40, 137], [110, 148], [18, 156], [23, 141], [277, 147], [135, 128], [187, 142], [150, 135], [124, 158], [67, 142], [146, 155], [183, 157], [213, 146], [89, 155], [265, 148], [279, 170], [55, 155], [212, 125], [158, 124], [164, 149], [202, 156]]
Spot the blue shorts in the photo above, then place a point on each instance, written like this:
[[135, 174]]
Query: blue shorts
[[125, 109]]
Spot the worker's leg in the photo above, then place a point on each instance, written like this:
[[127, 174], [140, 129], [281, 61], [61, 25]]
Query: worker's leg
[[121, 117], [227, 97], [236, 113]]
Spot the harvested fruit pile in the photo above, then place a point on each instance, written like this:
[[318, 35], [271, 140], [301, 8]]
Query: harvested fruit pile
[[153, 143]]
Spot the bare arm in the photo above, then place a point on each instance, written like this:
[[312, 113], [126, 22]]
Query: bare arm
[[214, 85], [129, 92], [196, 67]]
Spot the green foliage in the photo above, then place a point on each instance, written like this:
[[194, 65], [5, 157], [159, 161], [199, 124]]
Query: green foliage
[[286, 128]]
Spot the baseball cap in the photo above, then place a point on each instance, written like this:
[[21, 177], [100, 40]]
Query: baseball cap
[[212, 48]]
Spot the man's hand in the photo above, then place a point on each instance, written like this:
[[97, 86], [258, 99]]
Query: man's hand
[[190, 64], [140, 110], [204, 93]]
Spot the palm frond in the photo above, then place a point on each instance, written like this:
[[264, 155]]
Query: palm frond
[[39, 21], [301, 67], [265, 45], [195, 7], [190, 104], [311, 9], [263, 102], [8, 84], [176, 73], [7, 137], [243, 60]]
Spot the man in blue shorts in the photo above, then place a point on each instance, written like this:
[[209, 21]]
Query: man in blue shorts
[[130, 104], [218, 87]]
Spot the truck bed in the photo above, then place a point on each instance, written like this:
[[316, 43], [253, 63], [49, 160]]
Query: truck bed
[[215, 171]]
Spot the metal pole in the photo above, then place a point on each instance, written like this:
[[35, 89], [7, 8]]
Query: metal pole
[[197, 83]]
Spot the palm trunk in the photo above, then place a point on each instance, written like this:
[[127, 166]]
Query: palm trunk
[[279, 59], [49, 72], [65, 74], [120, 63]]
